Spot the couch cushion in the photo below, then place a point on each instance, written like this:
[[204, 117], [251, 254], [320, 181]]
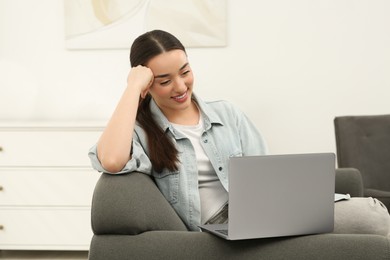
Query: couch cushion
[[200, 245]]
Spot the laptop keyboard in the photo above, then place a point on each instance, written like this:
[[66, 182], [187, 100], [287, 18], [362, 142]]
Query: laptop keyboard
[[223, 231]]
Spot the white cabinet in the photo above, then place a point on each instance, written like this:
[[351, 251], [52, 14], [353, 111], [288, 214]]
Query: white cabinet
[[46, 185]]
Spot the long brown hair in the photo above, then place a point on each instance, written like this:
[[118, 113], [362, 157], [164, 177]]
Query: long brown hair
[[162, 150]]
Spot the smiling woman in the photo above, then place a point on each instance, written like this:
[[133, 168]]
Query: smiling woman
[[172, 87], [161, 128], [171, 90]]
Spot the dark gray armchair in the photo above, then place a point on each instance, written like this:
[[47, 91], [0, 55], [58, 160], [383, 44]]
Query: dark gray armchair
[[132, 220], [363, 142]]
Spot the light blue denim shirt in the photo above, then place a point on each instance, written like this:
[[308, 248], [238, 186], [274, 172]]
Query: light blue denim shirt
[[227, 132]]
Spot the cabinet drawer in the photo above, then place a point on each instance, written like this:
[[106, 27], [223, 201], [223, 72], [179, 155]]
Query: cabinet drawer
[[40, 228], [46, 148], [41, 186]]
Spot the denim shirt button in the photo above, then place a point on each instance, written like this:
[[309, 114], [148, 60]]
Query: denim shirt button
[[220, 168], [205, 141]]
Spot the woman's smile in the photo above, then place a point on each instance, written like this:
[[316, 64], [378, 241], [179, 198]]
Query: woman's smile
[[181, 98], [173, 84]]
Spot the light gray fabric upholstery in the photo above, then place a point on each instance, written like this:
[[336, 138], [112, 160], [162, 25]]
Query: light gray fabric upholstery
[[361, 216], [196, 245], [132, 220], [349, 180], [131, 204], [363, 142]]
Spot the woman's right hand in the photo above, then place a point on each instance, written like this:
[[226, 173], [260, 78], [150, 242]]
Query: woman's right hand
[[142, 78], [115, 143]]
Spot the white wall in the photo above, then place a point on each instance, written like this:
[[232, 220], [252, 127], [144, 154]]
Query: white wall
[[292, 66]]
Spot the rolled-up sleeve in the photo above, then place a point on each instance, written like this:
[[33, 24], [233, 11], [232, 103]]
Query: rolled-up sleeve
[[139, 161], [252, 141]]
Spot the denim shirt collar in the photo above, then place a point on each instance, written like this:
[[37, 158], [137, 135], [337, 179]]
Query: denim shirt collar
[[209, 116]]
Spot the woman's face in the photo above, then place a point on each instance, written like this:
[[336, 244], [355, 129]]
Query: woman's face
[[173, 81]]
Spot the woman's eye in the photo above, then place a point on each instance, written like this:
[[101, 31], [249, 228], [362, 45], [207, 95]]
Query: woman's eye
[[185, 72], [166, 82]]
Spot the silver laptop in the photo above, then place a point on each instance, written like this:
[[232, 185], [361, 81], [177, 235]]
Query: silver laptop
[[279, 195]]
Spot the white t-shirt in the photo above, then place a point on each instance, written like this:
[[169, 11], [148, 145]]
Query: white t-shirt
[[213, 195]]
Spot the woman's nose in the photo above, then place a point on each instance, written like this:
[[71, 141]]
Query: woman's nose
[[180, 85]]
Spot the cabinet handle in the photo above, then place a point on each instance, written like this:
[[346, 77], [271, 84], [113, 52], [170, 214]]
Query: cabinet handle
[[1, 227], [1, 188], [1, 148]]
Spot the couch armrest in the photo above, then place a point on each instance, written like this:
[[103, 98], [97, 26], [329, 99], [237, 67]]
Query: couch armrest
[[131, 204], [349, 180]]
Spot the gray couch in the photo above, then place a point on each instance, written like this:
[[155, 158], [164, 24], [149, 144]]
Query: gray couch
[[363, 142], [132, 220]]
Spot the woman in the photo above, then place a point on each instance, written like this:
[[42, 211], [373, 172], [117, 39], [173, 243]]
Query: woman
[[172, 134], [160, 127]]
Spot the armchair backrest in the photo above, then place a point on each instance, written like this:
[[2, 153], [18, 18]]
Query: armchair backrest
[[363, 142]]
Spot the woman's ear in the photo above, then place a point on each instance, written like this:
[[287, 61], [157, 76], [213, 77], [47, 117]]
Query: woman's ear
[[146, 97]]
